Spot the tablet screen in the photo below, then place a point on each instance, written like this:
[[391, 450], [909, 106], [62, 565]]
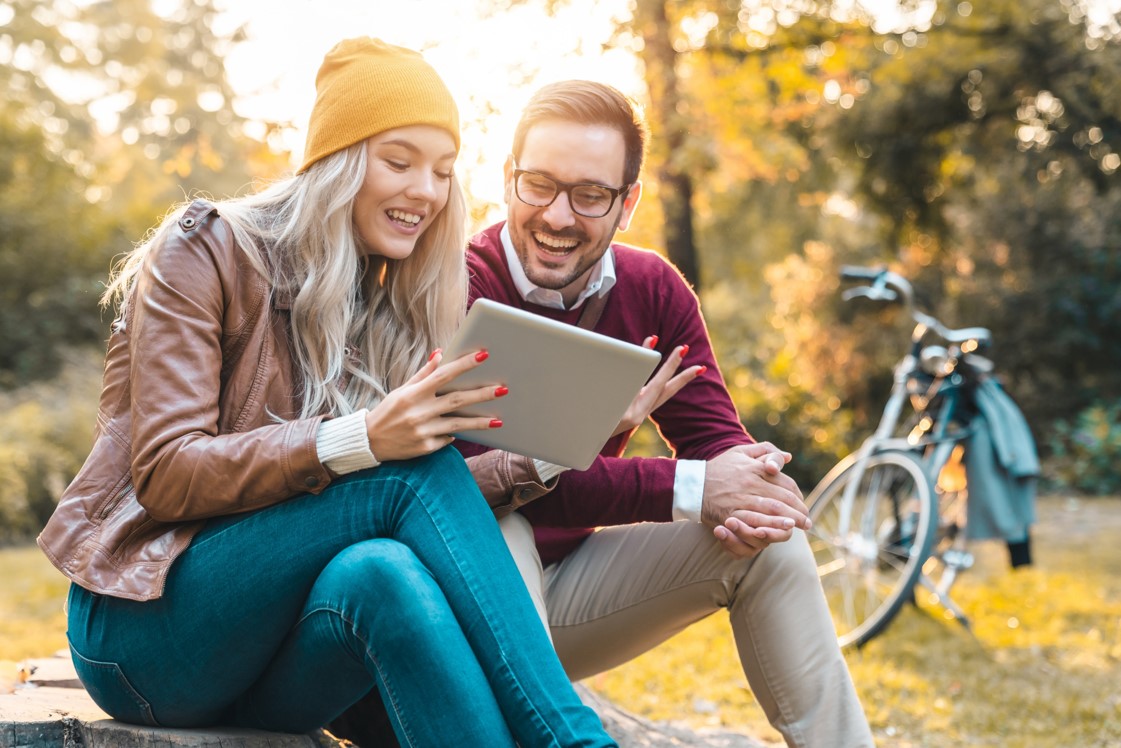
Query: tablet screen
[[569, 387]]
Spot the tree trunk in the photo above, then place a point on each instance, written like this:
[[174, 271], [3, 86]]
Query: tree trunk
[[668, 131]]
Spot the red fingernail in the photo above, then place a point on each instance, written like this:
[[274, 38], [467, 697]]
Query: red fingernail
[[702, 370], [653, 341], [684, 351], [500, 391], [435, 353], [481, 356], [496, 424]]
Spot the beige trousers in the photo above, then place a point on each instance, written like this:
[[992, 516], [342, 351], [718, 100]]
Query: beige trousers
[[626, 589]]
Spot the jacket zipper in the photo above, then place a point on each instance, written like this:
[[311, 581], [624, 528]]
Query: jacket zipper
[[113, 502]]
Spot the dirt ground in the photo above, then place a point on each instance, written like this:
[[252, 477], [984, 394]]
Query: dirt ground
[[1065, 524]]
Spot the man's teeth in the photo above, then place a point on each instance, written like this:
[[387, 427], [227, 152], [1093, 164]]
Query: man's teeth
[[562, 246], [403, 217]]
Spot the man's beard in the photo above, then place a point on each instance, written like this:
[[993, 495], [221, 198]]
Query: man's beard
[[552, 282]]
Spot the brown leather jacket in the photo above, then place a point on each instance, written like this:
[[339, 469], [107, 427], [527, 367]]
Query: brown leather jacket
[[199, 418]]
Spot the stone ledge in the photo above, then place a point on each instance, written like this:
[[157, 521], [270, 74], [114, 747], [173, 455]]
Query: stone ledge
[[52, 710]]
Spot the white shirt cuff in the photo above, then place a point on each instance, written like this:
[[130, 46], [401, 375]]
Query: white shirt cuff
[[688, 490], [546, 471], [343, 445]]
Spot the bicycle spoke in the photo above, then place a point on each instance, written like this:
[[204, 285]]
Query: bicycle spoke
[[837, 564], [847, 590], [868, 571]]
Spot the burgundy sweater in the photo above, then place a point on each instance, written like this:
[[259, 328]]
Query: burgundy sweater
[[650, 297]]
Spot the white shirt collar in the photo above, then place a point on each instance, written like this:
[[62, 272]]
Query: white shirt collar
[[600, 281]]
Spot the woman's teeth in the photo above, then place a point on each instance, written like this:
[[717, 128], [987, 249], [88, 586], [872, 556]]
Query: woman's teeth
[[411, 219]]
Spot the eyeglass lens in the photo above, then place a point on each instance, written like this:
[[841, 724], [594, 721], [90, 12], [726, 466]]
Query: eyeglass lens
[[589, 200]]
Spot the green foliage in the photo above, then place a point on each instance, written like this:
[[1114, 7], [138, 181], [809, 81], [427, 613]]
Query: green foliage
[[987, 145], [52, 250], [976, 150], [112, 113], [1086, 451], [46, 430]]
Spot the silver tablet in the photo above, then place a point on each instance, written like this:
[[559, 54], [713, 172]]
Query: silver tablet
[[568, 386]]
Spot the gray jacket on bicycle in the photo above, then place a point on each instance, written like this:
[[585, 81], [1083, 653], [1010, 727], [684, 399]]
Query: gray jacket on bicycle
[[1001, 464]]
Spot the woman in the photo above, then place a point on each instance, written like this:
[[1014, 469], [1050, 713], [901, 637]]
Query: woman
[[271, 523]]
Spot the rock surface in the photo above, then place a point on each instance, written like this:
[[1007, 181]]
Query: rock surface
[[52, 710]]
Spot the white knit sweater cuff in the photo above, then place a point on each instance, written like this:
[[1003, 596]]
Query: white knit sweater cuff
[[546, 471], [342, 444]]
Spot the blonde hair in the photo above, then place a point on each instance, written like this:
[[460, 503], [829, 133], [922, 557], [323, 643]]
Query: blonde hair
[[299, 234]]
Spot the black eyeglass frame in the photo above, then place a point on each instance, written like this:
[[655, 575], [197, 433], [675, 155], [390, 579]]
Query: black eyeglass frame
[[566, 188]]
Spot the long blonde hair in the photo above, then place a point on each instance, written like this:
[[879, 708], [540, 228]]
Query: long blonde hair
[[299, 234]]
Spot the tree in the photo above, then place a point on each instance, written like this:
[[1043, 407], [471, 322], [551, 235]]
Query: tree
[[963, 147], [51, 252], [669, 133], [114, 112], [989, 143]]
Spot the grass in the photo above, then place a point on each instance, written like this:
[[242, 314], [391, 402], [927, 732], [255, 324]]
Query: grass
[[1041, 667], [32, 623]]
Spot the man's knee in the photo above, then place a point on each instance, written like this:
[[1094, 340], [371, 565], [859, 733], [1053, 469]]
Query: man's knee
[[518, 534], [793, 556], [516, 530], [784, 566]]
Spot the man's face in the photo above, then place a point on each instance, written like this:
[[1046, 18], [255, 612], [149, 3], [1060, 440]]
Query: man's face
[[557, 246]]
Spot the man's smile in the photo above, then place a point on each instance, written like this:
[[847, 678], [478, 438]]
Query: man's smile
[[554, 245]]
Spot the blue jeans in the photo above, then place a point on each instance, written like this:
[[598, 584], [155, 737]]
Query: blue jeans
[[395, 578]]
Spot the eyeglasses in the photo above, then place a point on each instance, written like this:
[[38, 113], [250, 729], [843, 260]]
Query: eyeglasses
[[586, 199]]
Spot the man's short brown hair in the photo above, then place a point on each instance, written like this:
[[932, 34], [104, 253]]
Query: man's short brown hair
[[588, 103]]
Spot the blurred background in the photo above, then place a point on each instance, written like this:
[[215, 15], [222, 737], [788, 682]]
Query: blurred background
[[973, 147]]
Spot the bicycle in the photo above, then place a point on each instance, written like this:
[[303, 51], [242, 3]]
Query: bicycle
[[895, 511]]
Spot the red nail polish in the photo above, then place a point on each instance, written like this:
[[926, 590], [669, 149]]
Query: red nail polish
[[684, 351], [702, 370], [435, 353], [653, 341], [500, 391], [496, 424], [481, 356]]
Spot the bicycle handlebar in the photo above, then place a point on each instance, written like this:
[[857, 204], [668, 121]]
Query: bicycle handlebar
[[854, 272], [889, 286], [869, 292], [886, 285]]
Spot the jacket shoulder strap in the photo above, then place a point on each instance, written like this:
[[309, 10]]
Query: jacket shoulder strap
[[195, 213]]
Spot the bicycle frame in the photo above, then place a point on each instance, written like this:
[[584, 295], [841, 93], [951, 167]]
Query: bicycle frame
[[888, 286], [941, 422]]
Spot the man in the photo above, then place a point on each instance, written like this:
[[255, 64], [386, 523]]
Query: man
[[717, 527]]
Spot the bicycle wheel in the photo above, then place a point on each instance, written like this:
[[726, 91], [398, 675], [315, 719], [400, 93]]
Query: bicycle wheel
[[870, 550]]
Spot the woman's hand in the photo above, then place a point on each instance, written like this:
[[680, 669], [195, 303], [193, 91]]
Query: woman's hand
[[413, 420], [661, 387]]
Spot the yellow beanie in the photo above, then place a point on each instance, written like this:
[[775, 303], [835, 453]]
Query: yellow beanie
[[366, 86]]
